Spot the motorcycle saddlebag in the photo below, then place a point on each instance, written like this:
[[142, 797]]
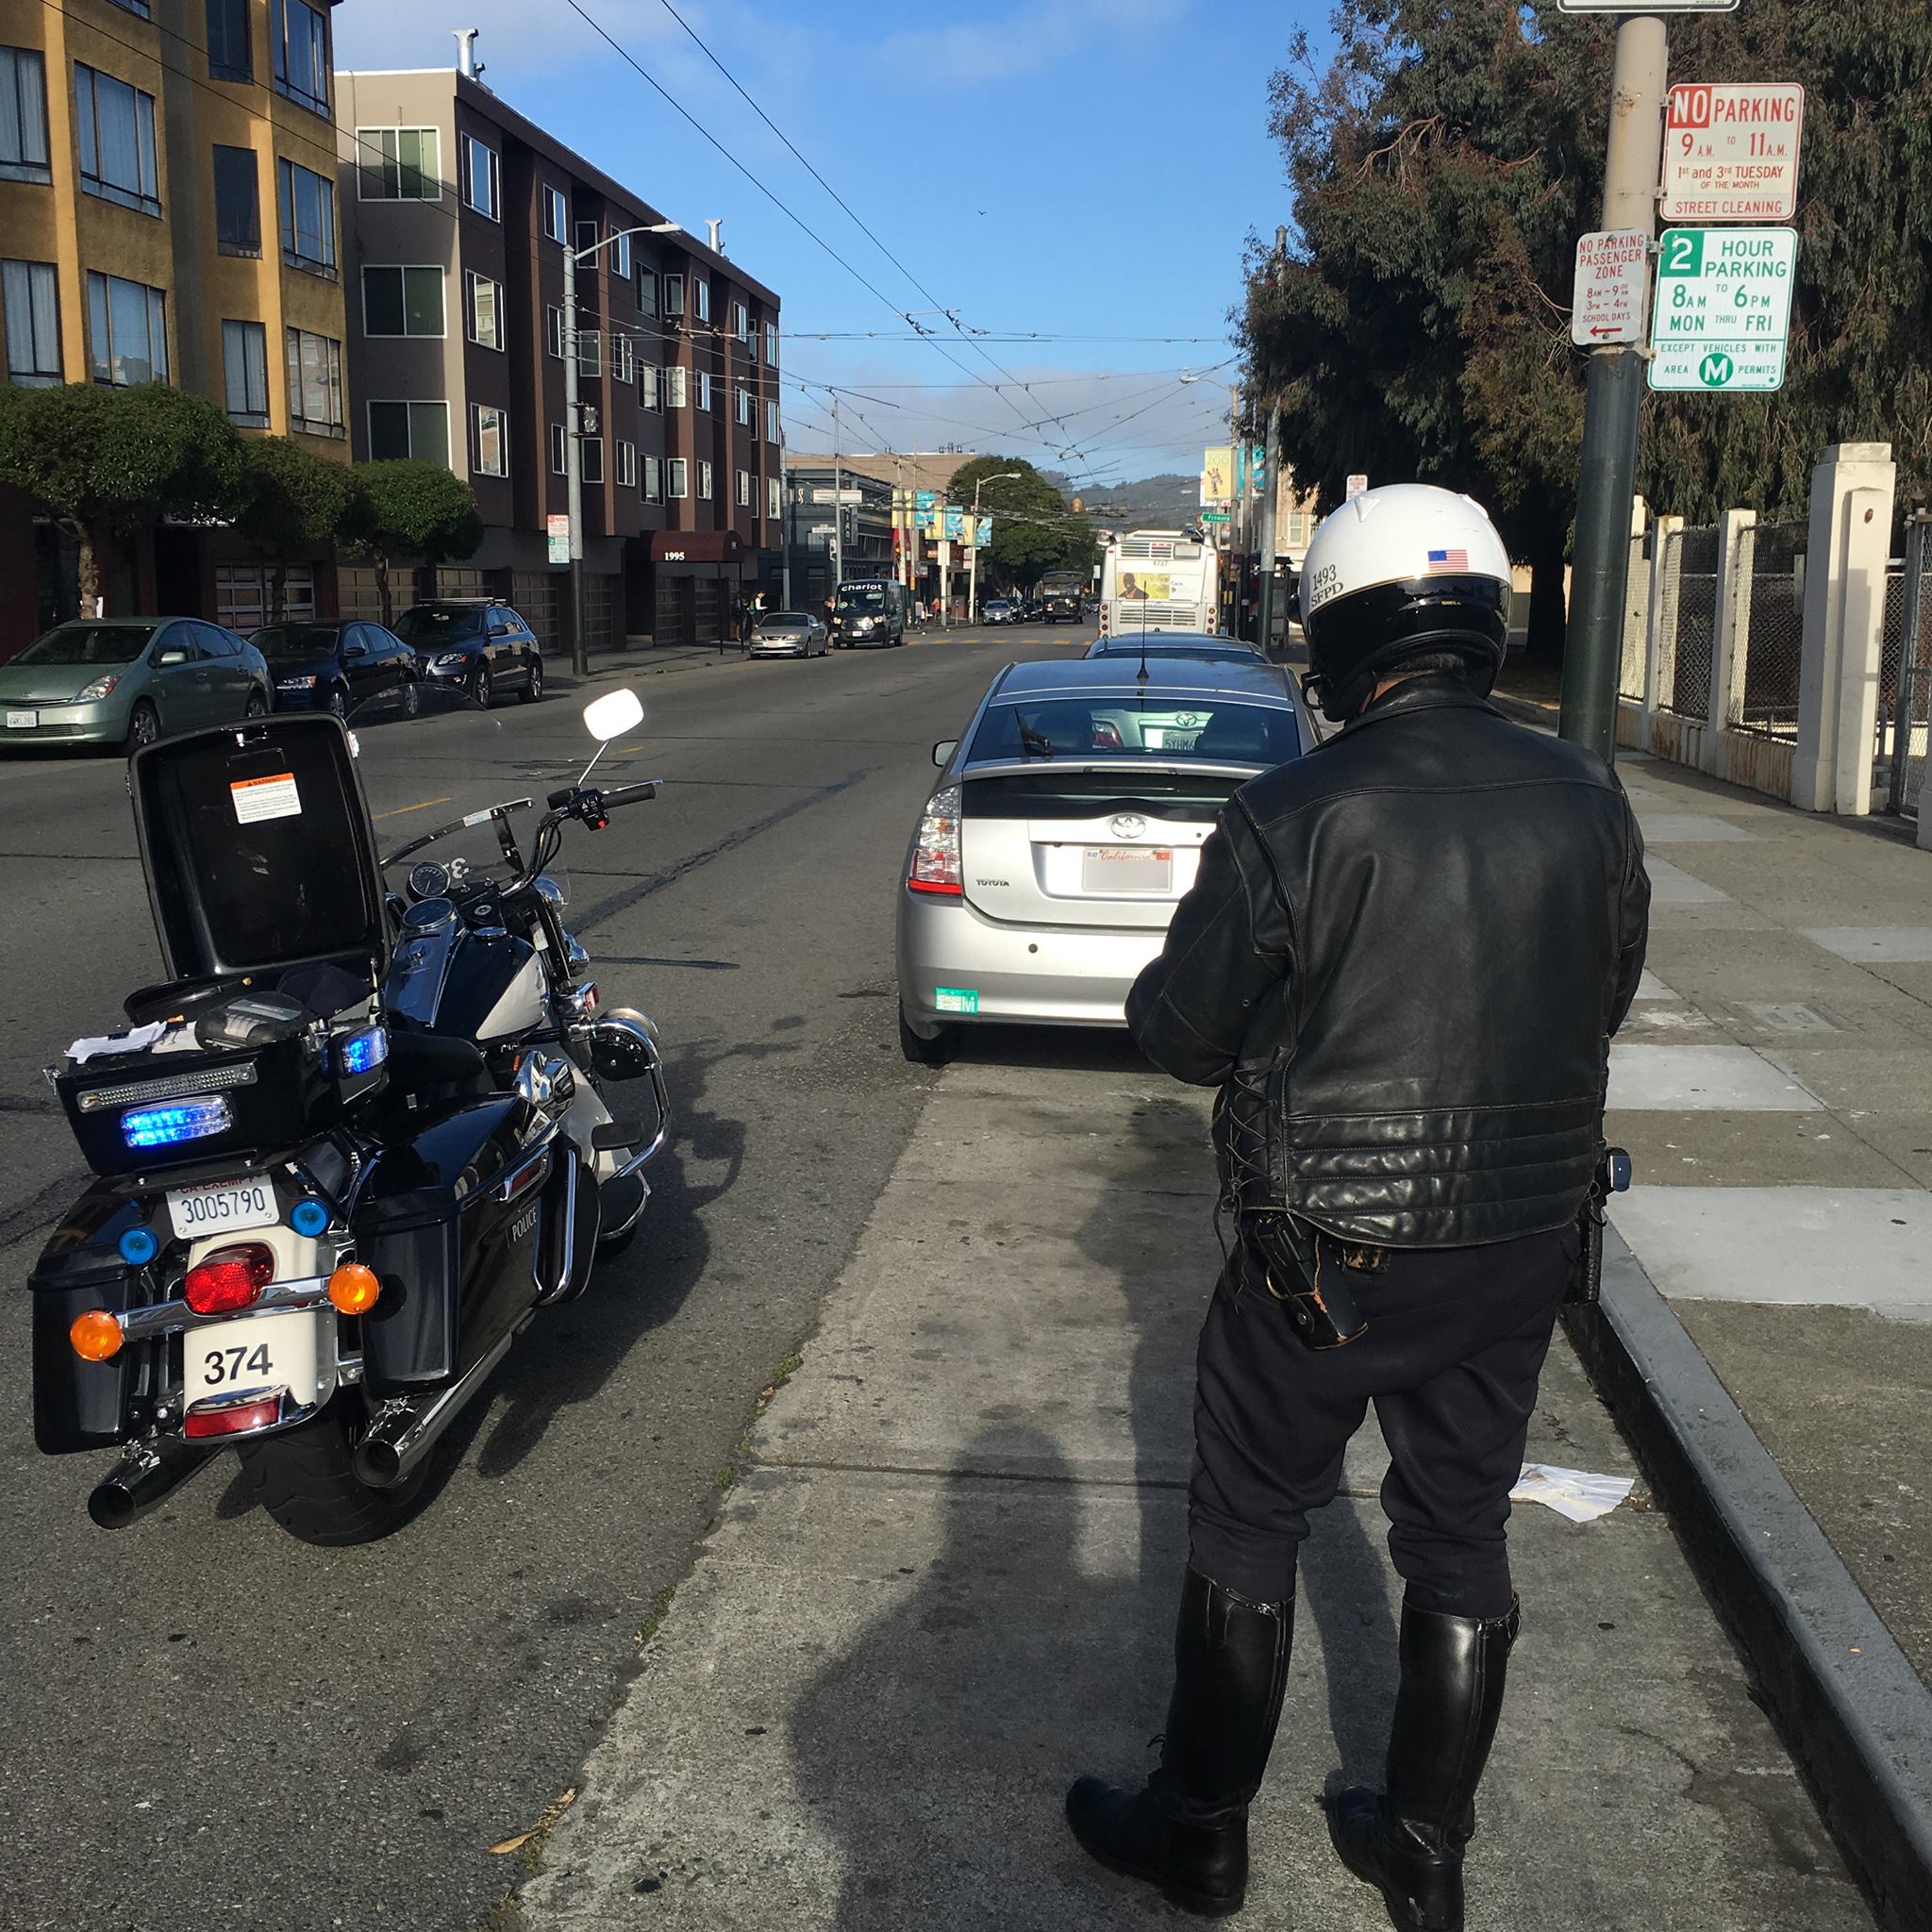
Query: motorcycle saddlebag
[[78, 1404], [449, 1221]]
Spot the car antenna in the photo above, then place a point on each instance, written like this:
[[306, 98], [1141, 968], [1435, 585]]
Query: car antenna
[[1141, 673]]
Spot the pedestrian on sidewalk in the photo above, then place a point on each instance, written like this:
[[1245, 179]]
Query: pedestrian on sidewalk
[[1400, 962]]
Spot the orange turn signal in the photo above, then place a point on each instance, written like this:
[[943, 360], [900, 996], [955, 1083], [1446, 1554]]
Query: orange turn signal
[[353, 1287], [96, 1335]]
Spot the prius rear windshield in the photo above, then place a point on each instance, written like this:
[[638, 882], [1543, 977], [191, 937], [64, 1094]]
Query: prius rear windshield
[[1210, 728]]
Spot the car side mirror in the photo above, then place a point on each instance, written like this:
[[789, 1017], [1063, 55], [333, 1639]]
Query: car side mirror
[[613, 714], [355, 650], [942, 752], [166, 661]]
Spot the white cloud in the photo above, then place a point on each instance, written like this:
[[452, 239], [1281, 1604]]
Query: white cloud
[[1027, 40]]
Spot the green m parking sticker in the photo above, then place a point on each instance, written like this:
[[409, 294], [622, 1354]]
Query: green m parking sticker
[[956, 999]]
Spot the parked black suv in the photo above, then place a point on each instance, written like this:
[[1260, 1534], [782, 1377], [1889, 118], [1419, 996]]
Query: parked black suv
[[478, 642]]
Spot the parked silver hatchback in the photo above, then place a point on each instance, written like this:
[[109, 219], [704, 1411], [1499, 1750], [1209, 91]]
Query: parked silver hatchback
[[1066, 823]]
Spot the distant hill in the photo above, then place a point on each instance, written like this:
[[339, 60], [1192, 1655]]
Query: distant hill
[[1153, 503]]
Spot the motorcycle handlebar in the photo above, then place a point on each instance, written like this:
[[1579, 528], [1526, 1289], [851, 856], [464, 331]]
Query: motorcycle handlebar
[[632, 795], [606, 796]]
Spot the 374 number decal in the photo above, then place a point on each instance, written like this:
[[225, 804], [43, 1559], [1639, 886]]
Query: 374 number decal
[[221, 1365]]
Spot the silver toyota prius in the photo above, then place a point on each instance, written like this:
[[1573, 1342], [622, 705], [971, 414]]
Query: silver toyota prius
[[1066, 823]]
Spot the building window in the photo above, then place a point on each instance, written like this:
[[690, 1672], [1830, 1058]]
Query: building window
[[229, 56], [624, 362], [771, 420], [479, 178], [590, 458], [489, 432], [587, 237], [745, 489], [647, 292], [619, 253], [560, 450], [674, 294], [740, 321], [678, 380], [704, 481], [127, 328], [771, 344], [701, 298], [590, 351], [30, 292], [299, 35], [676, 470], [402, 301], [774, 498], [654, 481], [138, 7], [419, 430], [650, 392], [315, 383], [741, 412], [704, 394], [556, 213], [486, 312], [400, 163], [116, 127], [308, 218], [552, 329], [244, 372], [24, 115], [626, 466], [238, 202]]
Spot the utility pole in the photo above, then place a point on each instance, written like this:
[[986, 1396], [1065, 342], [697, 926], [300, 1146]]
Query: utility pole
[[573, 466], [1592, 646], [837, 503], [973, 544], [1270, 488]]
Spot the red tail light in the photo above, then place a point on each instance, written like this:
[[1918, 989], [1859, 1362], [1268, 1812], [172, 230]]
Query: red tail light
[[231, 1278], [936, 863], [229, 1418]]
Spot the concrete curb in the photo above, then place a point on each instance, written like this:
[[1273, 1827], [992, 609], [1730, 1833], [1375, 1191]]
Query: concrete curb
[[639, 665], [1856, 1715], [1526, 710]]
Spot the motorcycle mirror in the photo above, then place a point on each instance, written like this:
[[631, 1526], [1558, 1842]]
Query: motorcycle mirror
[[613, 714]]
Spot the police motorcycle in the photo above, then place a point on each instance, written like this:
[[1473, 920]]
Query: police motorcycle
[[357, 1141]]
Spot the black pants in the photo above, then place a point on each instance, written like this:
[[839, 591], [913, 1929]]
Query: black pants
[[1455, 1344]]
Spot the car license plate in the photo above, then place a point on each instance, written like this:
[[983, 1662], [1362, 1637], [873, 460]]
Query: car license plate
[[22, 721], [1126, 869], [252, 1352], [222, 1205]]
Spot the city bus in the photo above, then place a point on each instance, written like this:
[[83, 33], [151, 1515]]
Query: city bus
[[1159, 580]]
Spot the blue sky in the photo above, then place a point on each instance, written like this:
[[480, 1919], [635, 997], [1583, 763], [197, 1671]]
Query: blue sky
[[1074, 168]]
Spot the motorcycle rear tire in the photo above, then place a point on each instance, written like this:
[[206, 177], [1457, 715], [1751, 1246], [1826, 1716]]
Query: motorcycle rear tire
[[305, 1479]]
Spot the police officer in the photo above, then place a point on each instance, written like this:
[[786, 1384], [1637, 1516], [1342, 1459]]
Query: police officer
[[1401, 962]]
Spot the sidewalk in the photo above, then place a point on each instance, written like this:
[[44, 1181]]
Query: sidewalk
[[947, 1584], [637, 660]]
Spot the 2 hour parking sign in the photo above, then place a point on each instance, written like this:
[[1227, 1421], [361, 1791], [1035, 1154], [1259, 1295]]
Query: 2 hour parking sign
[[1722, 315]]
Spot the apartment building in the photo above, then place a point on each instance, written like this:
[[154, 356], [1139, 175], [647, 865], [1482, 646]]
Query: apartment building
[[822, 495], [167, 213], [458, 213]]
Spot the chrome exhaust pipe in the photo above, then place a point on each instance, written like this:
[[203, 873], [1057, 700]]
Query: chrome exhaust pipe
[[148, 1473], [405, 1427]]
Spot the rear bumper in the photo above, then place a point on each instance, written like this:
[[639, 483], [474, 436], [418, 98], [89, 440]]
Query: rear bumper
[[1037, 976]]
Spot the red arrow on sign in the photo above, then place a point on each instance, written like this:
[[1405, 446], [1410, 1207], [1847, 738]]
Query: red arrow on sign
[[1606, 328]]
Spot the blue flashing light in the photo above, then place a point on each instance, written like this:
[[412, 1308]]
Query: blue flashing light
[[139, 1247], [363, 1051], [184, 1120], [309, 1217]]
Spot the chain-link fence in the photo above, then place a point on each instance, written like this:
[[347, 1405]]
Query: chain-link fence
[[1774, 555], [1689, 617], [1904, 674]]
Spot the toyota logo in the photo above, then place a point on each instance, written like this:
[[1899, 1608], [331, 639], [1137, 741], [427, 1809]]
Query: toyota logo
[[1129, 824]]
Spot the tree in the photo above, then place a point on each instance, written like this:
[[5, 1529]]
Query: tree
[[1033, 529], [403, 508], [107, 462], [296, 500], [1442, 165]]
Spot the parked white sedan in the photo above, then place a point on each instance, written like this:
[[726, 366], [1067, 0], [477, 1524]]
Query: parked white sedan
[[787, 634], [1066, 823]]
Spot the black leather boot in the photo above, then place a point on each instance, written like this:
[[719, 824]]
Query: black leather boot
[[1187, 1830], [1409, 1841]]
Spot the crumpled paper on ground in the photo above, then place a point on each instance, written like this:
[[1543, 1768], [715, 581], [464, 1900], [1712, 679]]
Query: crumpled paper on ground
[[1573, 1492]]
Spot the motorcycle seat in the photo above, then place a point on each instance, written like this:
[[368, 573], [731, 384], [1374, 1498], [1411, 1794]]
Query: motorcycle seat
[[420, 1062]]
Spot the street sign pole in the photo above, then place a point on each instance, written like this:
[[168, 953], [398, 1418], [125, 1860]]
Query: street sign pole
[[1592, 651]]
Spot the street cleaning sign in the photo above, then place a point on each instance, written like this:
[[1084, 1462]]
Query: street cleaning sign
[[1612, 270], [1646, 5], [1722, 315], [1731, 151]]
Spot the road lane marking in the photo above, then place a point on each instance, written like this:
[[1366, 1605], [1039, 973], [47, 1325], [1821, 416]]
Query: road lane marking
[[400, 809]]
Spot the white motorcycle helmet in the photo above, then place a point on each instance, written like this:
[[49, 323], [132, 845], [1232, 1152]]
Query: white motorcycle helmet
[[1395, 573]]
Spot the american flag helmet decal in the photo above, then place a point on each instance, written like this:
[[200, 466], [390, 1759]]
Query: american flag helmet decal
[[1447, 563]]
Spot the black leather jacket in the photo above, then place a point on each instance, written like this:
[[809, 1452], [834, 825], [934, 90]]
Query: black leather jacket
[[1401, 962]]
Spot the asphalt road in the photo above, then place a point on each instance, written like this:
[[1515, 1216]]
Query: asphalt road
[[208, 1722]]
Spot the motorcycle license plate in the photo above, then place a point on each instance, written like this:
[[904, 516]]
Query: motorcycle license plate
[[222, 1205], [253, 1352], [1126, 869]]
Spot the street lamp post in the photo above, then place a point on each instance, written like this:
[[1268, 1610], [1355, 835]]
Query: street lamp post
[[972, 551], [573, 456]]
